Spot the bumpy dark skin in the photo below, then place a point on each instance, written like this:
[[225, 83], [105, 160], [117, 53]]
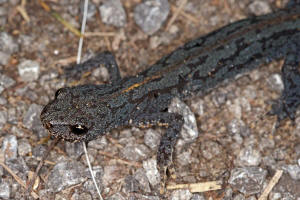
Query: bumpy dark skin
[[85, 112]]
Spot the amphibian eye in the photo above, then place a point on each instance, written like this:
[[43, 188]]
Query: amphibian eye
[[79, 129], [58, 92]]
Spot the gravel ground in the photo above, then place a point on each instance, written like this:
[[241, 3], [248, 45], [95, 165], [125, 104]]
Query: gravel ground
[[227, 135]]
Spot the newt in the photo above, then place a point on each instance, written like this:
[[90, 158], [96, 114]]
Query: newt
[[86, 112]]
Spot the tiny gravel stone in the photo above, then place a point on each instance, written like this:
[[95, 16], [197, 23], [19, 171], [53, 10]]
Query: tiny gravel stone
[[112, 12], [197, 197], [181, 194], [210, 149], [3, 118], [29, 70], [237, 126], [6, 81], [184, 158], [152, 138], [24, 147], [131, 184], [111, 174], [151, 14], [135, 152], [7, 43], [275, 82], [99, 143], [259, 7], [140, 176], [4, 58], [31, 120], [4, 190], [239, 197], [65, 174], [248, 180], [74, 149], [92, 9], [152, 173], [294, 171], [3, 101], [248, 156], [10, 147], [1, 171], [81, 196], [189, 130], [116, 196]]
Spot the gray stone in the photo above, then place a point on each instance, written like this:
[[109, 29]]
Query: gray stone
[[4, 190], [197, 197], [10, 147], [140, 176], [3, 118], [151, 14], [74, 149], [135, 152], [24, 147], [7, 43], [3, 101], [29, 70], [111, 174], [99, 143], [248, 156], [259, 7], [181, 194], [152, 138], [91, 11], [112, 12], [152, 173], [116, 196], [248, 180], [189, 130], [294, 171], [4, 58], [239, 197], [81, 196], [6, 81], [210, 149], [275, 82], [31, 120], [65, 174]]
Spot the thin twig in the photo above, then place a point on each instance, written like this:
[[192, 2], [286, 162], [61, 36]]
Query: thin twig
[[197, 187], [271, 184], [18, 179], [176, 13]]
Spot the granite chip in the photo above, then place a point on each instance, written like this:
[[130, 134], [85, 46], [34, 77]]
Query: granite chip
[[151, 14], [152, 173], [181, 194], [249, 156], [152, 138], [112, 12], [248, 180], [29, 70], [65, 174], [10, 147], [4, 189], [7, 43], [135, 152], [3, 118]]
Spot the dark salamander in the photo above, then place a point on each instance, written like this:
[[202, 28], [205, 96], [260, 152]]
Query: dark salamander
[[85, 112]]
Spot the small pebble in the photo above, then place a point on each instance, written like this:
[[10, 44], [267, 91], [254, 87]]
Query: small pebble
[[181, 194], [91, 11], [4, 190], [294, 171], [3, 118], [7, 43], [135, 152], [248, 180], [151, 14], [112, 12], [260, 7], [152, 138], [248, 156], [29, 70], [116, 196], [6, 81], [24, 147], [152, 173], [10, 147], [65, 174]]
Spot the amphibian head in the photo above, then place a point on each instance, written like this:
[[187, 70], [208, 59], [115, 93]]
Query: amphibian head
[[76, 114]]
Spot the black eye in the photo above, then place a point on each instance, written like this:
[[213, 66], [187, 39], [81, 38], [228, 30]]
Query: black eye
[[58, 92], [79, 129]]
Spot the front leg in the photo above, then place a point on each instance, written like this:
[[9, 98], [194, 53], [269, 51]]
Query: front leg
[[173, 122], [105, 58]]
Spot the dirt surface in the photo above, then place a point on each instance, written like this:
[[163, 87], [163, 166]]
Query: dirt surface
[[232, 120]]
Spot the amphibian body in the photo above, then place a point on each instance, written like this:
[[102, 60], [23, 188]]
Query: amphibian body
[[85, 112]]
